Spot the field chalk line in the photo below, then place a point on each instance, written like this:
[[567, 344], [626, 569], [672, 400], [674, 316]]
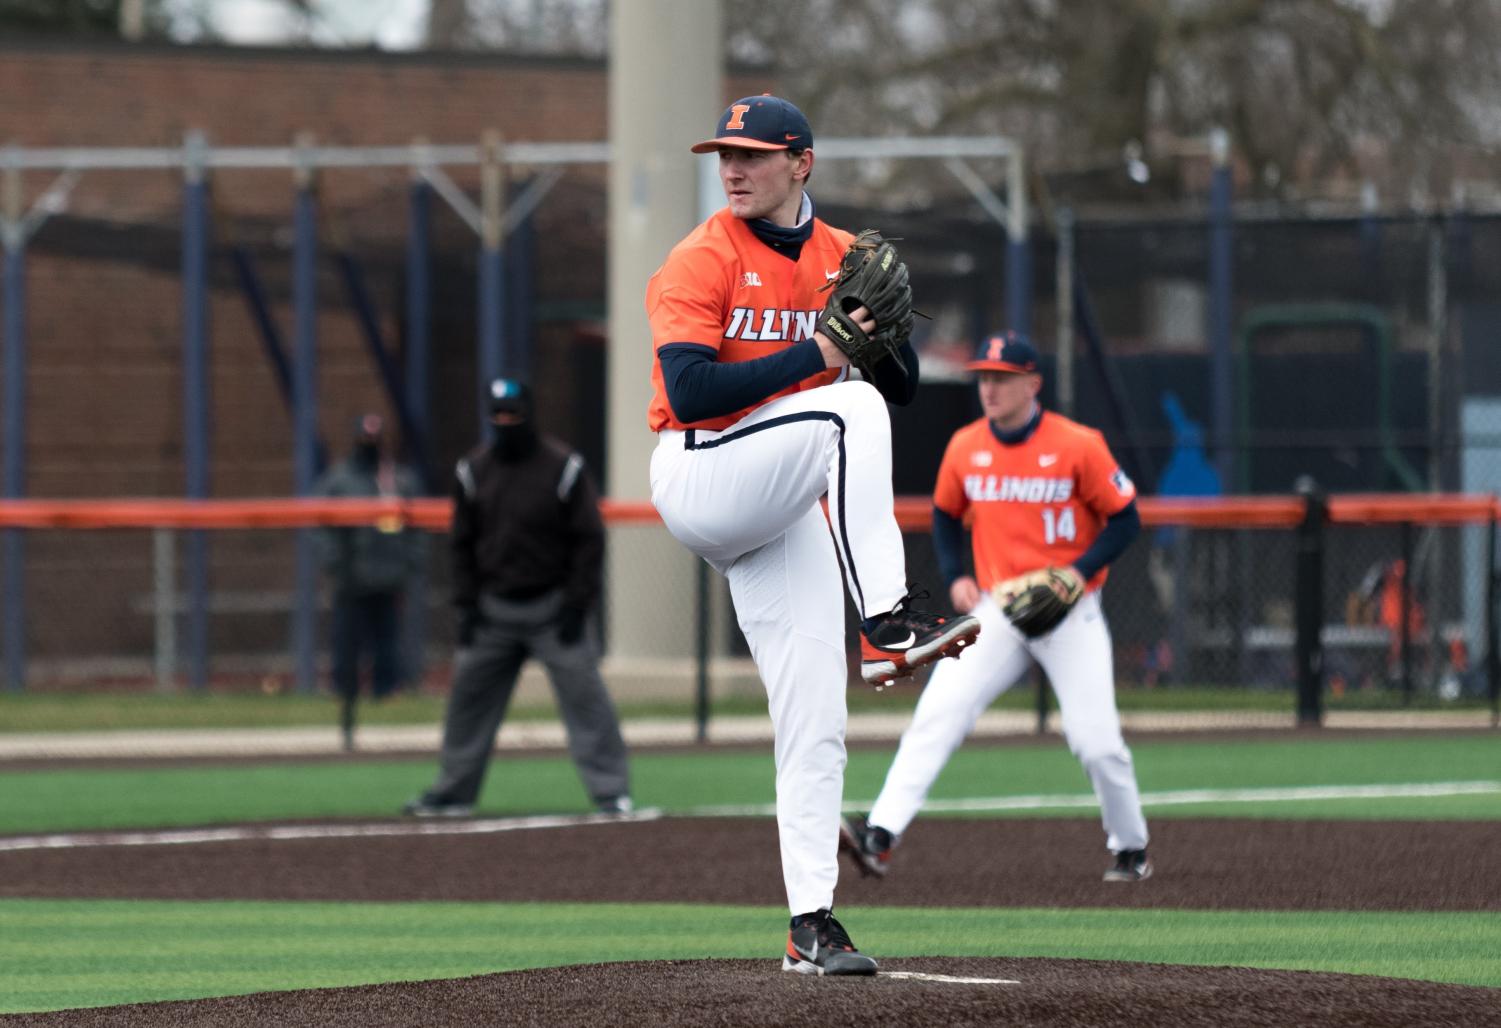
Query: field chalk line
[[489, 826]]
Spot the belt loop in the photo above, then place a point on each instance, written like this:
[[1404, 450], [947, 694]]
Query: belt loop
[[688, 439]]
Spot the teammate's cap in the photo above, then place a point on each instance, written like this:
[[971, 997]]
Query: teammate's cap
[[762, 122], [511, 395], [1009, 351]]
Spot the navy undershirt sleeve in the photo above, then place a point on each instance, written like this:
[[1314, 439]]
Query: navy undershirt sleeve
[[948, 546], [897, 388], [700, 386], [1122, 527]]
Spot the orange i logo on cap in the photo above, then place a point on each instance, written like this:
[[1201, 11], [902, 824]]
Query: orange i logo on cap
[[737, 117]]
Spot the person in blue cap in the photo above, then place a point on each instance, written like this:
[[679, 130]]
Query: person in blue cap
[[528, 551]]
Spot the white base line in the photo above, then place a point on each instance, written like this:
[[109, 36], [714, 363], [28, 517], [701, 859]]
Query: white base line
[[488, 826], [246, 833], [1071, 801]]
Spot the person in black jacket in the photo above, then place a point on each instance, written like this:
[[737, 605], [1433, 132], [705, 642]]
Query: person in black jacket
[[369, 567], [528, 547]]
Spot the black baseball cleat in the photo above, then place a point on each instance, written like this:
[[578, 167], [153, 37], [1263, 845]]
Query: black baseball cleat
[[899, 642], [425, 807], [1130, 866], [621, 804], [868, 845], [818, 944]]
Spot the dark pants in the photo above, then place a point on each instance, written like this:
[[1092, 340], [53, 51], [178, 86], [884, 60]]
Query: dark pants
[[485, 677], [365, 622]]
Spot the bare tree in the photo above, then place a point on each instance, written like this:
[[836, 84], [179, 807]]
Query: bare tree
[[1306, 87]]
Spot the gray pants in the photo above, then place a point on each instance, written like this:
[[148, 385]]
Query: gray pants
[[485, 677]]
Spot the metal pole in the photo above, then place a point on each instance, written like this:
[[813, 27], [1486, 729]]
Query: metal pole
[[418, 362], [1492, 601], [13, 588], [491, 358], [1064, 299], [1221, 260], [1438, 288], [1308, 643], [195, 396], [701, 647], [1018, 253], [164, 543], [1406, 608], [305, 415]]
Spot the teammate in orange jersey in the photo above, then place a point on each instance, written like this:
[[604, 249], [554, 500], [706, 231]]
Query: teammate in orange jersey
[[1037, 490], [757, 419]]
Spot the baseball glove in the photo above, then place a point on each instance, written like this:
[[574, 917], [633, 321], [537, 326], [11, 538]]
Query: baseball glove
[[870, 275], [1037, 601]]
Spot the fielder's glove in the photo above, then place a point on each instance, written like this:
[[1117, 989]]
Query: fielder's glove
[[870, 276], [1037, 601]]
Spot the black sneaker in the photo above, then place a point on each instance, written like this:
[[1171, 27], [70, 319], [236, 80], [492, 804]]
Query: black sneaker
[[868, 845], [818, 944], [423, 806], [1130, 866], [900, 642]]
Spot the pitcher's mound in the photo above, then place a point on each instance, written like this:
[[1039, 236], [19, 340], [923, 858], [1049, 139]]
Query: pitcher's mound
[[920, 991]]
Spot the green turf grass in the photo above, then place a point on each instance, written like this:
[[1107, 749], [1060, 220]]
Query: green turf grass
[[83, 798], [68, 953], [113, 711]]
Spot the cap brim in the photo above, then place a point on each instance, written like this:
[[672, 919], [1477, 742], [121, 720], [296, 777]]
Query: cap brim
[[710, 145], [1017, 369]]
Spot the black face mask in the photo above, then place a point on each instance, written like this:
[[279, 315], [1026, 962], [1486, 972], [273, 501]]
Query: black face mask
[[513, 442], [367, 454]]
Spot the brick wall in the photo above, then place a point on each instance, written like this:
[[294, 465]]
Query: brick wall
[[104, 301]]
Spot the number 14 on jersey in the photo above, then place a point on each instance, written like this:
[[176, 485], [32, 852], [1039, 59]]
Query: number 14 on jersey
[[1057, 524]]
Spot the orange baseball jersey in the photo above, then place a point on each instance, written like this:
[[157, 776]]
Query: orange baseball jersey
[[722, 287], [1040, 502]]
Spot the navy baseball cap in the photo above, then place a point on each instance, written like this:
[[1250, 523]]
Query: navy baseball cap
[[1009, 351], [510, 395], [762, 122]]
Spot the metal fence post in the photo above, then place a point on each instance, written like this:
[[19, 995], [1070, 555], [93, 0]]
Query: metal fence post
[[701, 643], [1405, 631], [1492, 657], [13, 486], [305, 411], [164, 575], [196, 400], [1308, 644]]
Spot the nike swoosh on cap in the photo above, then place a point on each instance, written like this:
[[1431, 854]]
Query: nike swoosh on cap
[[790, 136]]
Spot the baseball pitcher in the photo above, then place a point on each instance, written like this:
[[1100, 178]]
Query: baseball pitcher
[[756, 318]]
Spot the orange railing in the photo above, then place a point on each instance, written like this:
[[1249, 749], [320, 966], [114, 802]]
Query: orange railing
[[914, 513]]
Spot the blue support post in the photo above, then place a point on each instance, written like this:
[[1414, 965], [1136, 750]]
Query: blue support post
[[418, 362], [1019, 286], [491, 360], [1221, 270], [520, 248], [13, 588], [196, 426], [305, 421], [1018, 252]]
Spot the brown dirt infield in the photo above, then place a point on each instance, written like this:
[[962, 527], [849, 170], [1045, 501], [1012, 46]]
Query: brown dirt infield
[[751, 993], [1204, 864]]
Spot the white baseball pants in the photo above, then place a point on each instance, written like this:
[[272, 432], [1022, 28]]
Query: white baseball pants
[[1076, 656], [746, 500]]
